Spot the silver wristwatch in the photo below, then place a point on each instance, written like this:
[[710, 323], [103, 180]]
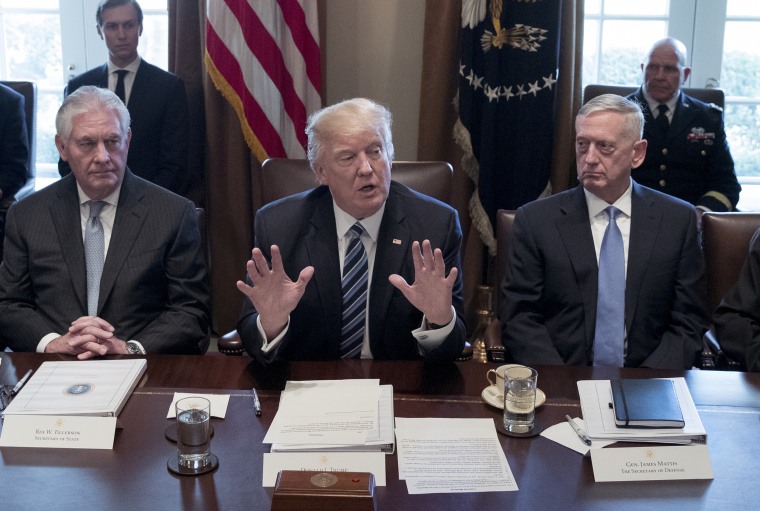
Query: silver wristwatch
[[133, 348]]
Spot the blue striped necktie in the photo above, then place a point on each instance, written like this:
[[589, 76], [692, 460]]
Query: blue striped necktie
[[354, 286], [94, 252], [609, 337]]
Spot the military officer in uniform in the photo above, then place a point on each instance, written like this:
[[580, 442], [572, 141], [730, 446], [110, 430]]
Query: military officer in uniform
[[687, 152]]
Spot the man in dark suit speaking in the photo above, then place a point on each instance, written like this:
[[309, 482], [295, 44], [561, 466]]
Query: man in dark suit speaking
[[155, 98], [102, 261], [358, 267], [610, 272]]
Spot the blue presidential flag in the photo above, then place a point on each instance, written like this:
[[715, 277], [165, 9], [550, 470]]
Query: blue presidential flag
[[509, 57]]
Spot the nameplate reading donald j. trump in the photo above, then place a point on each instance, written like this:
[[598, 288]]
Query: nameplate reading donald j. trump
[[62, 431], [655, 463]]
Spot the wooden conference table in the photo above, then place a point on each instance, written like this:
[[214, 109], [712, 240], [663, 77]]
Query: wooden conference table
[[134, 475]]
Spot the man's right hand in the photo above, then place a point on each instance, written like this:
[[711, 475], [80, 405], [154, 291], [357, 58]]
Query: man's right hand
[[273, 294]]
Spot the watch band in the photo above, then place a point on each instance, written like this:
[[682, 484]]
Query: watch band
[[134, 348]]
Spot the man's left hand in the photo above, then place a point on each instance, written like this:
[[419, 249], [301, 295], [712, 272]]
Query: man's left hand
[[431, 290]]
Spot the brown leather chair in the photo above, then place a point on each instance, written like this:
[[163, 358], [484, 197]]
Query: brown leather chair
[[281, 177], [505, 220], [725, 243], [715, 96]]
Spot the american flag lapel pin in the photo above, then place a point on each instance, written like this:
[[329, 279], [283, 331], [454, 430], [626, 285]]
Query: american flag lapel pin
[[396, 241]]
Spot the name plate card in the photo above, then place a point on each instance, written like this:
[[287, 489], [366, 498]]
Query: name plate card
[[372, 462], [62, 432], [655, 463]]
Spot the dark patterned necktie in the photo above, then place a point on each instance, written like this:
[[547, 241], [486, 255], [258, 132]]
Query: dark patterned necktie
[[662, 119], [94, 252], [354, 286], [609, 336]]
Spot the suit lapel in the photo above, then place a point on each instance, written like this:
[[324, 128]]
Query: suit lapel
[[141, 86], [322, 252], [130, 218], [103, 77], [394, 242], [67, 221], [645, 222], [576, 236]]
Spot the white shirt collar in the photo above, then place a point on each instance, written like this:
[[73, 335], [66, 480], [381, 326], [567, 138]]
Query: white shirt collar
[[653, 104], [131, 67], [112, 199], [597, 205], [371, 224]]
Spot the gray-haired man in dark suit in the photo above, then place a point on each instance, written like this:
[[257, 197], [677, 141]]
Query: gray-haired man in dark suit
[[152, 296]]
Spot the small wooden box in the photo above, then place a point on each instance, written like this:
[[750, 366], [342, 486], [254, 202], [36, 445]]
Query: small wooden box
[[324, 491]]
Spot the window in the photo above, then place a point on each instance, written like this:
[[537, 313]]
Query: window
[[49, 42], [619, 32]]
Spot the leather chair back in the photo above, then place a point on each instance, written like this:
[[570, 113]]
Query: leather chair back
[[505, 220], [725, 241], [715, 96], [282, 177], [29, 91]]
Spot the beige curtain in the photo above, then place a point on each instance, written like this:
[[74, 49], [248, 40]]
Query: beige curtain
[[437, 117]]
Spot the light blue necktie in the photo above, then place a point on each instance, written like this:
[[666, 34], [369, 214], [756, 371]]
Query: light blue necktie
[[354, 286], [94, 252], [609, 335]]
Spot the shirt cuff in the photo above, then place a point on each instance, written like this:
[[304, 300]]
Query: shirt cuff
[[267, 346], [428, 340], [45, 341]]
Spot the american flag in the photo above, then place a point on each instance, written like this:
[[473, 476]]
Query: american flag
[[263, 56]]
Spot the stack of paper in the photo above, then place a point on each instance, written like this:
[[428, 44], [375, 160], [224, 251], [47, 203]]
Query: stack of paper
[[88, 387], [333, 415], [596, 403], [451, 456]]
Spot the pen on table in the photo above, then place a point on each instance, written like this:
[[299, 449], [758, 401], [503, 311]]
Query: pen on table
[[256, 402], [578, 431], [21, 383]]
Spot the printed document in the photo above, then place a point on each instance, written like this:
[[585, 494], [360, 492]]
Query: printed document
[[451, 456], [335, 412]]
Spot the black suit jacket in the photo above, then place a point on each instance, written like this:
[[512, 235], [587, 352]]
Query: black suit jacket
[[737, 318], [303, 227], [154, 286], [158, 107], [549, 293], [14, 143], [693, 162]]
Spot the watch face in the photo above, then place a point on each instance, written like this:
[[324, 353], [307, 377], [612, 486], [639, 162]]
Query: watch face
[[133, 349]]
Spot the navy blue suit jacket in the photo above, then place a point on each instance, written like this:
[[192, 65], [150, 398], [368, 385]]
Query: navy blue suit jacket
[[158, 107], [303, 227], [548, 307]]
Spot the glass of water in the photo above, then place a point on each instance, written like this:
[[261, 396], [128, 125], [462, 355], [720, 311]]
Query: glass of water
[[193, 433], [520, 399]]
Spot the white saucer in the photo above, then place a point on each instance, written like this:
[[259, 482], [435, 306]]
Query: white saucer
[[491, 396]]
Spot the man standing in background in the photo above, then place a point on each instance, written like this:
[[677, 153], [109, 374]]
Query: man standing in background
[[155, 98]]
